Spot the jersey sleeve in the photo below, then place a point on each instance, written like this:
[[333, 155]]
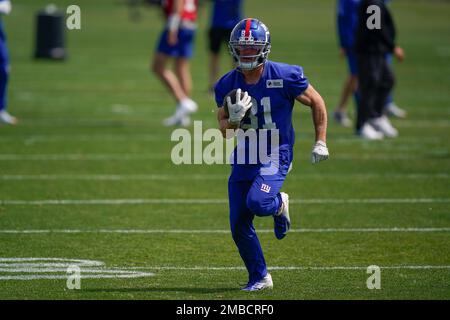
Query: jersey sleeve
[[219, 93], [223, 87], [296, 82]]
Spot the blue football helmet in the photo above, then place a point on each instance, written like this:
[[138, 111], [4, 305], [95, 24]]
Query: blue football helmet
[[249, 43]]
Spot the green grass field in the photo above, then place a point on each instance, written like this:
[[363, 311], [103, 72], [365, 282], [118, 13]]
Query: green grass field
[[87, 173]]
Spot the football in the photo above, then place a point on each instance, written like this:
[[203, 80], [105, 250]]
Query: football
[[232, 95]]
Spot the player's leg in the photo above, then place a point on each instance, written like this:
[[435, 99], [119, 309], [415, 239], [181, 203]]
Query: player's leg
[[164, 54], [214, 63], [264, 197], [391, 107], [243, 231], [183, 72], [214, 39], [367, 85], [384, 87], [349, 88], [186, 106], [340, 113], [390, 98], [5, 117], [159, 67], [185, 51]]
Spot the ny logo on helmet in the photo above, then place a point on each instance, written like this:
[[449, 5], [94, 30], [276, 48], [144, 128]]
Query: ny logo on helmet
[[243, 37]]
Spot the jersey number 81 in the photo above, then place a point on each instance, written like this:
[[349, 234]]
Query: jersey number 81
[[267, 115]]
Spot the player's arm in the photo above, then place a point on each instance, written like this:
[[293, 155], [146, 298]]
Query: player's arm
[[224, 124], [310, 97], [174, 21]]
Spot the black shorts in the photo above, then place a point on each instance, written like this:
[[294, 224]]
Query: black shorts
[[216, 37]]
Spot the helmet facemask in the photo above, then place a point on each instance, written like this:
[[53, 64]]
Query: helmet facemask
[[249, 55]]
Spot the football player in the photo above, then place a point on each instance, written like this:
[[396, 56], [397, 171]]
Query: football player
[[225, 15], [375, 76], [391, 108], [347, 20], [5, 117], [347, 23], [270, 90], [176, 42]]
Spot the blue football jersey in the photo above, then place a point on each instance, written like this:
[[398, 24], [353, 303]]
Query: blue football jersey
[[273, 98], [226, 13], [347, 22]]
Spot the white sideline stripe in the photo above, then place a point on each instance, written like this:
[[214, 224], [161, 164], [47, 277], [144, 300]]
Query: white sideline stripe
[[326, 268], [215, 201], [202, 177], [218, 231], [439, 154]]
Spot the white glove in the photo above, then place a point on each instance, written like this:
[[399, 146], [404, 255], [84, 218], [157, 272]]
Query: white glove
[[5, 7], [237, 110], [319, 152]]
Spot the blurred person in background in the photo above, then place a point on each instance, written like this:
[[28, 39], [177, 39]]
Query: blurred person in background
[[177, 43], [391, 107], [375, 77], [5, 117], [225, 15], [347, 22]]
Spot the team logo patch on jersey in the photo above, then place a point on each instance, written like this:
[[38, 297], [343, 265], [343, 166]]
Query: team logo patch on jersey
[[275, 83], [265, 188]]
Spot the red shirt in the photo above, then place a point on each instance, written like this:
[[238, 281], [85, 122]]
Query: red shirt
[[189, 11]]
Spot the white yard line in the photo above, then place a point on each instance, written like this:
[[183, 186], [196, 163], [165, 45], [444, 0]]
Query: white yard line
[[319, 268], [423, 124], [133, 121], [127, 137], [217, 201], [83, 157], [45, 138], [52, 261], [222, 231], [58, 268], [434, 155], [82, 276], [206, 177]]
